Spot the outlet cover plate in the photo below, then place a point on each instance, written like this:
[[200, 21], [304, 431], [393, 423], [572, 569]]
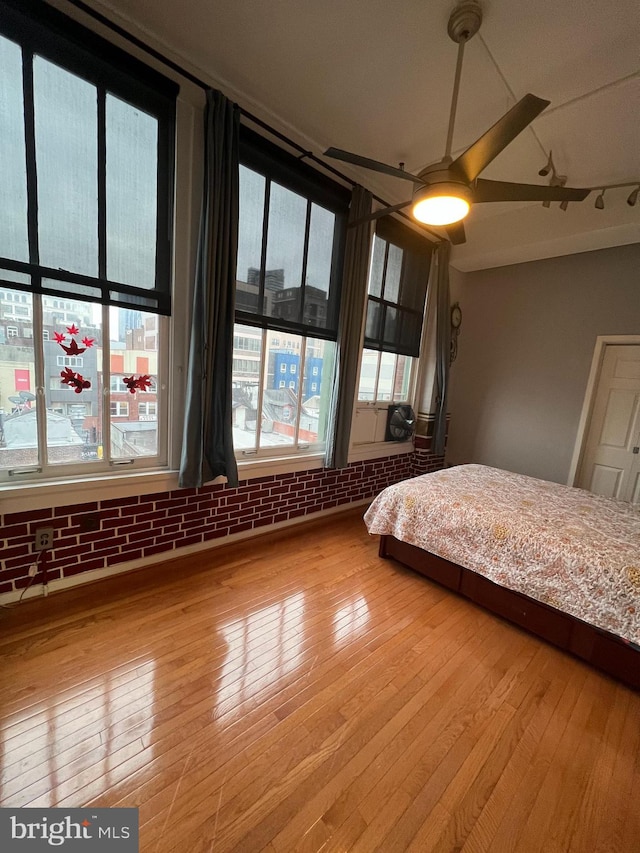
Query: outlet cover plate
[[43, 539]]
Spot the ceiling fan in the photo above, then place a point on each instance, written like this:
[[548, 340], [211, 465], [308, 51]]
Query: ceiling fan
[[444, 191]]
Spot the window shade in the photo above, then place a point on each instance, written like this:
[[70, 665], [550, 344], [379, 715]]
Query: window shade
[[398, 280], [292, 223], [90, 146]]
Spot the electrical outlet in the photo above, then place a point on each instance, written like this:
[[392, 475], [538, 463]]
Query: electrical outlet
[[44, 539]]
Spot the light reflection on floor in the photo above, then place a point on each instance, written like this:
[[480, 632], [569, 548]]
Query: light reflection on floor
[[261, 648], [350, 620], [94, 728]]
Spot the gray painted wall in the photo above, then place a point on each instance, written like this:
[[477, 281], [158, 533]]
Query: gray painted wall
[[525, 348]]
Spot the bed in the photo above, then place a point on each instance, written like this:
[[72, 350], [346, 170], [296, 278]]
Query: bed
[[560, 562]]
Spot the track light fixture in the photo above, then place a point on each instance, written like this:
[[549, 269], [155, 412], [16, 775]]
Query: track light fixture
[[556, 180], [548, 168], [632, 198]]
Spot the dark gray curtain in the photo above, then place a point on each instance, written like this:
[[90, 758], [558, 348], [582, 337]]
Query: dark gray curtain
[[207, 442], [443, 344], [354, 291]]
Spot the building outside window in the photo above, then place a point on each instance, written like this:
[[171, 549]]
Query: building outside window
[[87, 137]]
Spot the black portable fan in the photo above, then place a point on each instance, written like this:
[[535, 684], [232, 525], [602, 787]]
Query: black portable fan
[[401, 423]]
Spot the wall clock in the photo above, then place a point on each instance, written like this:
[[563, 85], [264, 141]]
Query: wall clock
[[456, 316]]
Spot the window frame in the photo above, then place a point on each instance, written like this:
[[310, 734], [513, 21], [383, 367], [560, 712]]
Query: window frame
[[40, 30], [374, 411], [276, 165]]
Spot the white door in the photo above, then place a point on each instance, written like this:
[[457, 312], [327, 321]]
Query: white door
[[611, 463]]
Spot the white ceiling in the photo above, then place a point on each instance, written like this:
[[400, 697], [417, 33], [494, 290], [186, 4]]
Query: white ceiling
[[375, 77]]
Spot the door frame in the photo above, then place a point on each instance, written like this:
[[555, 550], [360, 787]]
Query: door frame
[[602, 342]]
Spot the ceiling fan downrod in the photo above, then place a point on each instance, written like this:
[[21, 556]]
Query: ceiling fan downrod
[[464, 23]]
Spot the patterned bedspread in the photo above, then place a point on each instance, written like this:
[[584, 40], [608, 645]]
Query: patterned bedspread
[[571, 549]]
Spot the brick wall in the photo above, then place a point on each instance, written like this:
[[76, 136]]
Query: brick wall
[[105, 533]]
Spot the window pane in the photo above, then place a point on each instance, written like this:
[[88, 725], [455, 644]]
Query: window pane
[[374, 314], [411, 330], [131, 177], [280, 403], [251, 217], [403, 377], [285, 249], [18, 417], [247, 360], [392, 276], [11, 276], [316, 390], [134, 344], [73, 397], [368, 373], [66, 158], [387, 374], [391, 334], [377, 267], [318, 273], [414, 280], [14, 241]]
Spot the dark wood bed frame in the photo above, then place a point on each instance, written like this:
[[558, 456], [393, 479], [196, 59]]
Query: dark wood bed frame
[[599, 648]]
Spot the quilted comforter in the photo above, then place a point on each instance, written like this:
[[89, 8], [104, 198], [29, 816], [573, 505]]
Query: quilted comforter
[[571, 549]]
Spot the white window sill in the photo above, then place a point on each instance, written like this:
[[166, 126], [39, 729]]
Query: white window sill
[[32, 496], [377, 449]]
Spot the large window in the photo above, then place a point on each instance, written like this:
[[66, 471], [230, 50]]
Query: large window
[[398, 276], [86, 170], [290, 245]]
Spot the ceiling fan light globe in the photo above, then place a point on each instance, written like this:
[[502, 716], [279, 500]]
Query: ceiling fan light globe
[[442, 203], [440, 209]]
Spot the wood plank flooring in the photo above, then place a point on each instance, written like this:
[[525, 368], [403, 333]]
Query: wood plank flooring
[[298, 693]]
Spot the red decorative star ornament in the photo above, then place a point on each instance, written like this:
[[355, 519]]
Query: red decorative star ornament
[[73, 348], [68, 377]]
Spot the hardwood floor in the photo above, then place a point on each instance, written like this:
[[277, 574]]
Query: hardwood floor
[[297, 693]]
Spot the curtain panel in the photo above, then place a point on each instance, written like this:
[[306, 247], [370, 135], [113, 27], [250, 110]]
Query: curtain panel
[[354, 291], [207, 446], [443, 344]]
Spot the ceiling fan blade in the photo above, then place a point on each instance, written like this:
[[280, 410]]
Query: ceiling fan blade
[[484, 191], [375, 165], [377, 214], [456, 233], [478, 156]]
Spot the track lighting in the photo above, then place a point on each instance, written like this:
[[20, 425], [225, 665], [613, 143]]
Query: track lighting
[[632, 198], [556, 180]]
